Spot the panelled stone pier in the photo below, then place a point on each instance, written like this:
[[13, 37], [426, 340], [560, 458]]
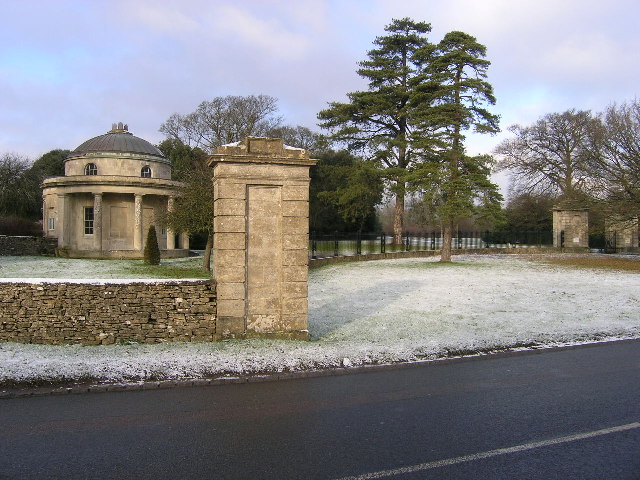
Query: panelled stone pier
[[261, 222], [571, 228]]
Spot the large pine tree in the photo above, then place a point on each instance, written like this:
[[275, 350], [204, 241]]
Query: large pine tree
[[451, 96], [378, 122]]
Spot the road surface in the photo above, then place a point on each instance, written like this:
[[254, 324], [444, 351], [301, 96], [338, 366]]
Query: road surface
[[571, 413]]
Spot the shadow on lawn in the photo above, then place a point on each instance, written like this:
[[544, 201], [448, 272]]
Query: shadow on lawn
[[346, 307]]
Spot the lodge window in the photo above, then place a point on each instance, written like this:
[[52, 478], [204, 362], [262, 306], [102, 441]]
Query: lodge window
[[90, 169], [51, 223], [145, 172], [88, 220]]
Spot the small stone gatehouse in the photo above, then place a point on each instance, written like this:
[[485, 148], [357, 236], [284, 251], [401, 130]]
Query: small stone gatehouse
[[114, 187]]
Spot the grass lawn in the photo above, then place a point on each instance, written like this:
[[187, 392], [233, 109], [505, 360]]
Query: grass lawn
[[629, 263]]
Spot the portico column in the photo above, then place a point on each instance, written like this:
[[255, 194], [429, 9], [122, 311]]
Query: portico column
[[184, 240], [97, 221], [63, 213], [171, 236], [137, 233]]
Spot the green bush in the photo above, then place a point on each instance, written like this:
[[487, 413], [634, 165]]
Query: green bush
[[151, 250]]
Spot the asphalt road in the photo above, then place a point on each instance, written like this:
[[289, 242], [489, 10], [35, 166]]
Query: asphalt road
[[554, 415]]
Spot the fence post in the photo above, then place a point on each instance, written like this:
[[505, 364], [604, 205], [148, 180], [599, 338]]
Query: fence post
[[383, 242], [359, 243], [314, 245], [335, 243]]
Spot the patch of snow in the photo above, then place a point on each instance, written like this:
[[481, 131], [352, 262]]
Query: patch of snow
[[376, 313], [288, 147]]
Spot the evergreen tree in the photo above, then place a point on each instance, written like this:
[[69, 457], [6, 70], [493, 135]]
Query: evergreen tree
[[344, 192], [151, 249], [378, 122], [451, 96]]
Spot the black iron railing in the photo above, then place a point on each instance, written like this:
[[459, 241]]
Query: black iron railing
[[360, 243]]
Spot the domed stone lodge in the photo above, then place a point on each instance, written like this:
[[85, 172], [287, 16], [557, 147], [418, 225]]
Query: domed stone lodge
[[115, 186]]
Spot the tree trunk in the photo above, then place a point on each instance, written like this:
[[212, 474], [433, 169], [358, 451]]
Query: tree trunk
[[445, 254], [207, 253], [398, 216]]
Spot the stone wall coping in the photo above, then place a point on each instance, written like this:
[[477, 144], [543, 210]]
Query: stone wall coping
[[108, 281]]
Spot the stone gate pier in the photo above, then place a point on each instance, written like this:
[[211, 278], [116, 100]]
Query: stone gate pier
[[571, 228], [261, 226]]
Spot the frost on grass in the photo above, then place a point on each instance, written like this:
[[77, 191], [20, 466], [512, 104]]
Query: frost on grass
[[379, 312], [40, 269]]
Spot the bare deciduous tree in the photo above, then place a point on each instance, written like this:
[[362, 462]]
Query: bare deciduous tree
[[617, 159], [552, 156], [224, 120]]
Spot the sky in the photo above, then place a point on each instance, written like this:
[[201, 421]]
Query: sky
[[71, 68]]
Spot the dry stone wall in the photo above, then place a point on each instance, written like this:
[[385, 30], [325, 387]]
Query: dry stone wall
[[107, 313]]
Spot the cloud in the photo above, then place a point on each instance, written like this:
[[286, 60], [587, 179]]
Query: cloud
[[268, 35], [161, 17]]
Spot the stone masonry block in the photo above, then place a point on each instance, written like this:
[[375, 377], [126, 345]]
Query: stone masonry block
[[297, 273], [296, 322], [230, 327], [295, 257], [229, 206], [230, 308], [294, 306], [294, 290], [229, 224], [231, 291], [230, 274], [295, 192], [229, 241], [230, 190], [299, 225], [292, 241], [295, 208], [230, 258]]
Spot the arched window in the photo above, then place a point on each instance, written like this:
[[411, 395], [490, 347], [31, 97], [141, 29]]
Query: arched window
[[90, 169], [145, 172]]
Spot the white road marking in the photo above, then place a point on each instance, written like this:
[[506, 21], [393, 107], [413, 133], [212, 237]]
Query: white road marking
[[493, 453]]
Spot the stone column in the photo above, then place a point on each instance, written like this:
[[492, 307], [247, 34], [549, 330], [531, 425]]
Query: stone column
[[184, 240], [571, 228], [62, 227], [261, 224], [171, 236], [137, 232], [97, 221]]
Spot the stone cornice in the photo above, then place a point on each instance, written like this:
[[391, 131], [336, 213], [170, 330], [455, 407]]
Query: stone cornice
[[110, 180]]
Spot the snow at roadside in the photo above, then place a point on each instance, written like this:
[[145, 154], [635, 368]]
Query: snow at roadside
[[379, 312]]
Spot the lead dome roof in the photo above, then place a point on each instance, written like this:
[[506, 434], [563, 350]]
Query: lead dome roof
[[117, 140]]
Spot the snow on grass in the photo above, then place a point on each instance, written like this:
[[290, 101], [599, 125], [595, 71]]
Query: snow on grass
[[379, 312], [40, 269]]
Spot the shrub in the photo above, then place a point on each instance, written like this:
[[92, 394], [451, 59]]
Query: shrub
[[151, 250]]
